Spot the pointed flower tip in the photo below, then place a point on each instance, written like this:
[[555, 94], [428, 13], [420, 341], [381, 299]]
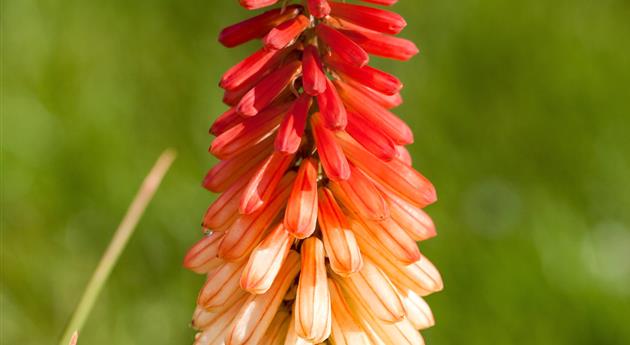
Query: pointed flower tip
[[252, 68], [268, 89], [265, 261], [331, 107], [202, 257], [264, 183], [291, 131], [300, 217], [332, 157], [248, 133], [431, 195], [225, 121], [339, 240], [314, 79], [221, 286]]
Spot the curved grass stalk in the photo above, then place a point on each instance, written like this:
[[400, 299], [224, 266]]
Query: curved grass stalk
[[117, 245]]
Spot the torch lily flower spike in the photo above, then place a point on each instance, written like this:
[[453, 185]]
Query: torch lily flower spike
[[313, 238]]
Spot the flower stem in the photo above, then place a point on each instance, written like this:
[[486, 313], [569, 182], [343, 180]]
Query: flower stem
[[117, 245]]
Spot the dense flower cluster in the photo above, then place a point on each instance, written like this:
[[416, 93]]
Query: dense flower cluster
[[313, 238]]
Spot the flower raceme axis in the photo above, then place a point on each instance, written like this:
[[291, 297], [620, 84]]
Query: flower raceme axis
[[313, 238]]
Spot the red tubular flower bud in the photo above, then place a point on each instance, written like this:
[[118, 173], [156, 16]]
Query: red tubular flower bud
[[380, 117], [224, 210], [394, 175], [280, 36], [370, 137], [257, 26], [386, 101], [262, 60], [292, 127], [369, 17], [314, 79], [382, 45], [248, 133], [264, 182], [368, 76], [231, 97], [346, 48], [332, 157], [256, 99], [222, 175], [331, 108], [318, 8]]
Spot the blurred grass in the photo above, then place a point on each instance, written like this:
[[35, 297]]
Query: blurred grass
[[521, 114]]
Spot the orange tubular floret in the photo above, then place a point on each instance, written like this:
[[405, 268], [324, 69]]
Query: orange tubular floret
[[330, 153], [300, 217], [341, 246]]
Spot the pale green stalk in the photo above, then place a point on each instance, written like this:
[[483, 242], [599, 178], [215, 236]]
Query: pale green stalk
[[117, 245]]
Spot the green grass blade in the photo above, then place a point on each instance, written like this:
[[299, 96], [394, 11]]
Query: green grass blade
[[117, 245]]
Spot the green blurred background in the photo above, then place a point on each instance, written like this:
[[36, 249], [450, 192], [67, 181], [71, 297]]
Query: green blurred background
[[521, 111]]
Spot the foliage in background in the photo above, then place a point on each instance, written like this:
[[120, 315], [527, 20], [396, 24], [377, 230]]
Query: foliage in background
[[521, 114]]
